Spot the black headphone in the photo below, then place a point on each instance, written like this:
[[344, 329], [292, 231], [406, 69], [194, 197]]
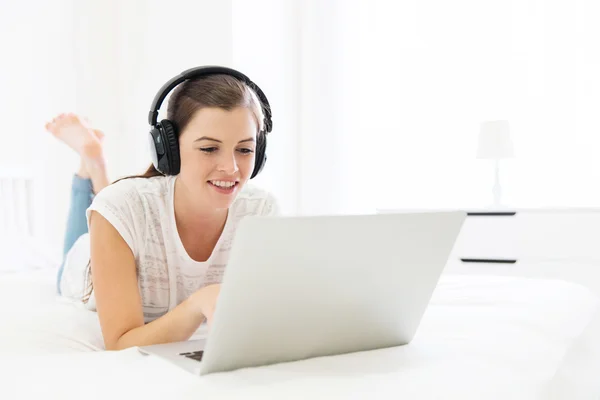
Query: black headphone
[[164, 143]]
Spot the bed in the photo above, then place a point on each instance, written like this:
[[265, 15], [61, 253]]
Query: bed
[[482, 337]]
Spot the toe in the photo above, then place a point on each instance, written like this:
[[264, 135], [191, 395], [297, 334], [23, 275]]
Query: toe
[[98, 133]]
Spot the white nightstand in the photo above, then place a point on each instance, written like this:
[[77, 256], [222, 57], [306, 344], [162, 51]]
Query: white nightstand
[[550, 243]]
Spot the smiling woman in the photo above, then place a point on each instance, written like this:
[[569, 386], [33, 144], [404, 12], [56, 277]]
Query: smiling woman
[[159, 243], [218, 147]]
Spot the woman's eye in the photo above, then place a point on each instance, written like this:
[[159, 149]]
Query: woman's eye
[[246, 151], [208, 149]]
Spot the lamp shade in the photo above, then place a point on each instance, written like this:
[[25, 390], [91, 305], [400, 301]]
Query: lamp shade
[[494, 140]]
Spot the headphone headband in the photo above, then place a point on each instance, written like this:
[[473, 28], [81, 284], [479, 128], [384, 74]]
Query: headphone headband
[[202, 71]]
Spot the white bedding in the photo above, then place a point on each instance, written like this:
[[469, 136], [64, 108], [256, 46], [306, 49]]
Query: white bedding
[[481, 338], [22, 252]]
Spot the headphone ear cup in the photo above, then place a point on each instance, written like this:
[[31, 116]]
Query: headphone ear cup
[[261, 154], [171, 142], [156, 148]]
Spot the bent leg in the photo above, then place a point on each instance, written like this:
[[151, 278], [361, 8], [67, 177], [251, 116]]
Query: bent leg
[[81, 198]]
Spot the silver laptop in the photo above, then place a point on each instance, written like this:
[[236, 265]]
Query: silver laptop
[[303, 287]]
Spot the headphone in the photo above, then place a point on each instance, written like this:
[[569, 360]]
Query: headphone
[[163, 139]]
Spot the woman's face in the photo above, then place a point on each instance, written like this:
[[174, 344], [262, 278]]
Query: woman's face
[[217, 150]]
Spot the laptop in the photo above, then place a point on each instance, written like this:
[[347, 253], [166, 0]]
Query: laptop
[[312, 286]]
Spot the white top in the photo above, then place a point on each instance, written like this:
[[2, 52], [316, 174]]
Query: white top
[[142, 211]]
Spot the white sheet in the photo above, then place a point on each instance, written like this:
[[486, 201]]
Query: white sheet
[[20, 252], [481, 338], [34, 320]]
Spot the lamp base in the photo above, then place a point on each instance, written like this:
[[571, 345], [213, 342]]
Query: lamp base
[[497, 191]]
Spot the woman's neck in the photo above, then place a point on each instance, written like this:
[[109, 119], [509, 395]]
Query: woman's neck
[[191, 214], [199, 227]]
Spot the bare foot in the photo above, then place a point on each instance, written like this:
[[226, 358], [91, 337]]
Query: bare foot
[[76, 133], [83, 169], [99, 134]]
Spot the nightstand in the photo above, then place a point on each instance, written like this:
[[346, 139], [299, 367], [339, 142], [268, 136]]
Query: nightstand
[[561, 243]]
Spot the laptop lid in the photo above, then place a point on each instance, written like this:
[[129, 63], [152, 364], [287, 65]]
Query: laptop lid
[[303, 287]]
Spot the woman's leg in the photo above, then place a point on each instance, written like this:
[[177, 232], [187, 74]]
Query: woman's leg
[[89, 179], [82, 195]]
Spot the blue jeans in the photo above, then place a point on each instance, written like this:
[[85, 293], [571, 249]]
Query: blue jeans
[[82, 195]]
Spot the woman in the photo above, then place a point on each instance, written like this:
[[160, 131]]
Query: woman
[[158, 244]]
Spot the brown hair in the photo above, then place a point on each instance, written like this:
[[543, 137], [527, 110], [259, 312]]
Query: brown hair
[[221, 91]]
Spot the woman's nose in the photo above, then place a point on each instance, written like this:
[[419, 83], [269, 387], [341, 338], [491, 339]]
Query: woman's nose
[[228, 164]]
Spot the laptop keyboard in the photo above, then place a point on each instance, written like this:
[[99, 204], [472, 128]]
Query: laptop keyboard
[[194, 355]]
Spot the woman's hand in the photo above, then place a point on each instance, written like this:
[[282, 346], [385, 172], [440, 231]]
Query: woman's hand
[[206, 300]]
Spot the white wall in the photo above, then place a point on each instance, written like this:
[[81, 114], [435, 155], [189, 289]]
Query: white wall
[[301, 53], [156, 42], [265, 48], [439, 68], [132, 49], [375, 103], [105, 60], [36, 81], [389, 97]]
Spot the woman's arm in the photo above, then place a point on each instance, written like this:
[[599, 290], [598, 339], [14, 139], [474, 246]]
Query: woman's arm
[[118, 300]]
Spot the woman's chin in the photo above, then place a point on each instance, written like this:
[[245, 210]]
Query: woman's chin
[[219, 201]]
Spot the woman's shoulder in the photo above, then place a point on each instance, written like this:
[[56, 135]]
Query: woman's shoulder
[[254, 200], [134, 196], [135, 188], [131, 204]]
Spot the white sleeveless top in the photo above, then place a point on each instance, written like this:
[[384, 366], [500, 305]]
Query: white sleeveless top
[[142, 211]]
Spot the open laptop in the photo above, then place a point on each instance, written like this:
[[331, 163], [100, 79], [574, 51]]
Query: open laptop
[[304, 287]]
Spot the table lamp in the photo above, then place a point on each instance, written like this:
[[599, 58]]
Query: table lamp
[[495, 144]]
